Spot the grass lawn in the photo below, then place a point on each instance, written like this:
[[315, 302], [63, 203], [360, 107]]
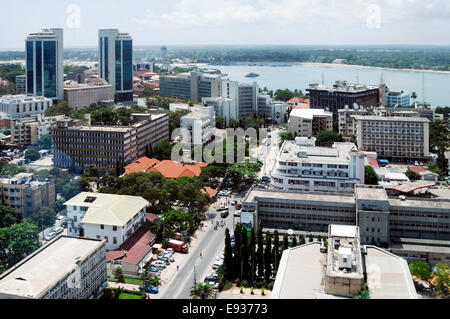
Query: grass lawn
[[129, 280], [124, 295]]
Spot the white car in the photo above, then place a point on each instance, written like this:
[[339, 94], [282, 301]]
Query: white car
[[170, 250], [50, 236], [58, 230], [217, 264], [159, 264]]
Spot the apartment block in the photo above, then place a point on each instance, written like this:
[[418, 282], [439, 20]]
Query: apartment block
[[224, 107], [309, 122], [109, 217], [15, 107], [26, 194], [200, 124], [65, 268], [108, 148], [346, 121], [21, 84], [396, 138], [301, 165]]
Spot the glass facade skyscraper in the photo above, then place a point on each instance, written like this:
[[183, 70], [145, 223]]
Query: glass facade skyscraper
[[116, 62], [44, 64]]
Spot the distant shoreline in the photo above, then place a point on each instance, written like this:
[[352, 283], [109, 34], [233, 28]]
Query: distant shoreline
[[369, 67]]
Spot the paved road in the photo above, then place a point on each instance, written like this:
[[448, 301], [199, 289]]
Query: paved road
[[268, 154], [210, 246]]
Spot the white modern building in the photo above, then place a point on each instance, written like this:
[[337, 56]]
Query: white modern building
[[224, 107], [200, 124], [16, 107], [44, 57], [309, 122], [116, 63], [65, 268], [114, 218], [302, 166], [398, 99]]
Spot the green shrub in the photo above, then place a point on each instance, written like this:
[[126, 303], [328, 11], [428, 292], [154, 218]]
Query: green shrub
[[227, 285]]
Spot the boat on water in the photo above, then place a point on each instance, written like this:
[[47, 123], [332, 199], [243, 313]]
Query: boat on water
[[252, 75]]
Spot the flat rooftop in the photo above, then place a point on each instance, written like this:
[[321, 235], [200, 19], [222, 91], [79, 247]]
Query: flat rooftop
[[108, 209], [392, 119], [370, 193], [313, 197], [301, 274], [309, 113], [34, 275], [388, 275], [339, 152]]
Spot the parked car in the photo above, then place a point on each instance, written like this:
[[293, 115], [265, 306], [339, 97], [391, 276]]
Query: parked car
[[224, 214], [159, 264], [222, 208], [213, 281], [153, 269], [164, 259], [237, 214], [265, 179], [217, 264], [170, 250], [58, 230], [149, 288], [238, 206], [50, 236], [234, 202]]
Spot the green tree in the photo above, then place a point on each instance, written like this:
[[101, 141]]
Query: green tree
[[245, 266], [412, 175], [162, 150], [327, 138], [285, 243], [118, 274], [43, 218], [442, 278], [32, 154], [16, 242], [294, 241], [228, 257], [202, 290], [71, 189], [260, 253], [237, 250], [421, 270], [268, 257], [370, 176], [7, 216], [301, 240], [252, 254], [310, 238], [45, 141], [276, 250], [61, 108]]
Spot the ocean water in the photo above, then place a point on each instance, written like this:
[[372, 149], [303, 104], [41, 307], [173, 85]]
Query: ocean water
[[298, 76]]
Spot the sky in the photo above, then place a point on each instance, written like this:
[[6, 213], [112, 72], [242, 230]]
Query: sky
[[232, 22]]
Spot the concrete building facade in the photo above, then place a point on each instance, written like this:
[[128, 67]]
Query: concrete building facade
[[15, 107], [82, 95], [200, 124], [65, 268], [309, 122]]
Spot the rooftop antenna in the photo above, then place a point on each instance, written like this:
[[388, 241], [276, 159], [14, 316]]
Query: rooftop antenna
[[423, 88], [323, 82], [357, 77], [382, 78]]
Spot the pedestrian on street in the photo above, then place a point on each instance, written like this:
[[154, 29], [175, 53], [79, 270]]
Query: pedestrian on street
[[200, 255], [178, 267]]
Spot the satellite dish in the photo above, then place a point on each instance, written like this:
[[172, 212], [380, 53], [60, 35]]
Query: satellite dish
[[346, 107], [355, 106], [290, 232]]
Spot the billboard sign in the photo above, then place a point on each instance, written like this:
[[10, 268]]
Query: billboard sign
[[247, 220]]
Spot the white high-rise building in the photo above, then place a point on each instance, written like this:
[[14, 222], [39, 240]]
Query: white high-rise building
[[44, 57], [224, 107], [116, 62], [165, 63]]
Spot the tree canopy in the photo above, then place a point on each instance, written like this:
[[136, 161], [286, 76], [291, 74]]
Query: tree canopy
[[370, 176]]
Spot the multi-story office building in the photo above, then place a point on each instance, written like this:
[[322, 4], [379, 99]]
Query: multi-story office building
[[108, 148], [194, 85], [247, 99], [309, 122], [396, 138], [200, 124], [15, 107], [65, 268], [24, 132], [224, 107], [346, 121], [342, 94], [116, 63], [44, 64], [382, 220], [26, 194], [165, 62], [273, 110], [423, 112], [114, 218], [400, 99], [96, 91], [21, 84], [300, 165]]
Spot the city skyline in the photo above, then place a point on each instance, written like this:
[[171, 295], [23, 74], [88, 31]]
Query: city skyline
[[182, 22]]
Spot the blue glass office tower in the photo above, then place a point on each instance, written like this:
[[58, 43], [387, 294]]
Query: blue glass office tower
[[116, 63], [44, 64]]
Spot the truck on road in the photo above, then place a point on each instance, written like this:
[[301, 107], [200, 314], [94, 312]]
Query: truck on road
[[178, 245]]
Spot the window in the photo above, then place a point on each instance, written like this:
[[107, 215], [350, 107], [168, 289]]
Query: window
[[114, 240], [106, 238], [114, 228], [102, 226]]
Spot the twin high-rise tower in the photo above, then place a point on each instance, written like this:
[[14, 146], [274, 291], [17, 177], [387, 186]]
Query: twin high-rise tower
[[44, 54], [116, 62], [44, 60]]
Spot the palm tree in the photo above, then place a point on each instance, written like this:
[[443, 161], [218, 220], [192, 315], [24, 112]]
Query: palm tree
[[202, 290], [158, 226]]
